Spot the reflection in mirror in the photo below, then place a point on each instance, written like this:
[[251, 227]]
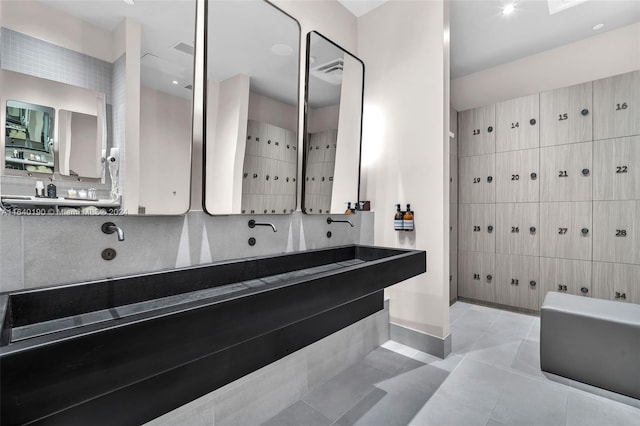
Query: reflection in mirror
[[119, 77], [28, 137], [80, 144], [252, 109], [333, 127]]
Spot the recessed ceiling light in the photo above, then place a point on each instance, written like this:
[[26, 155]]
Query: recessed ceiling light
[[282, 49], [509, 9], [131, 2], [175, 82], [598, 27]]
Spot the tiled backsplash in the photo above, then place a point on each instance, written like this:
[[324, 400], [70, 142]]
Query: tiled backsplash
[[47, 250]]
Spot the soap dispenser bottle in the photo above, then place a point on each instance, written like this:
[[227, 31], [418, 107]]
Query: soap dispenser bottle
[[348, 211], [407, 219], [397, 219], [51, 189]]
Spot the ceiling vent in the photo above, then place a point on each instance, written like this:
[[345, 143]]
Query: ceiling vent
[[331, 72], [154, 62], [183, 47], [556, 6]]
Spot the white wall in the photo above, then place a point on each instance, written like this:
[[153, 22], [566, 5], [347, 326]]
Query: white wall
[[45, 22], [404, 147], [611, 53], [321, 119], [270, 111], [227, 115], [346, 174], [165, 151]]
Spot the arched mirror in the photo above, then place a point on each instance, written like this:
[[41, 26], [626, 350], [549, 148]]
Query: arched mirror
[[332, 127], [96, 106], [251, 109]]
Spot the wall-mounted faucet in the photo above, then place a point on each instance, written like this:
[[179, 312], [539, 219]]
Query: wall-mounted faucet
[[110, 228], [330, 221], [253, 224]]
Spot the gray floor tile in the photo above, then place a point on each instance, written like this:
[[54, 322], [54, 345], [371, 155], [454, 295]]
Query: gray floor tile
[[493, 422], [512, 325], [495, 349], [473, 388], [462, 338], [396, 408], [457, 310], [450, 363], [339, 394], [477, 319], [445, 410], [390, 362], [529, 401], [534, 333], [527, 360], [590, 410], [361, 408], [425, 377], [298, 414]]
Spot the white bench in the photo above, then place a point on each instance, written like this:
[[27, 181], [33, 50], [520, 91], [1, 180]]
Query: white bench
[[593, 341]]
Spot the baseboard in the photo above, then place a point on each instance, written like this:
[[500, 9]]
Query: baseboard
[[436, 346]]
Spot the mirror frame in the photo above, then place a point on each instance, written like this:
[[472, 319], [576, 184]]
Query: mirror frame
[[204, 112], [305, 140]]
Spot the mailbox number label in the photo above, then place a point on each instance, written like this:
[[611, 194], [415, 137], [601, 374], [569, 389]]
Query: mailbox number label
[[622, 169], [620, 107], [562, 231], [562, 117], [515, 177], [621, 232], [515, 229], [476, 132], [563, 173]]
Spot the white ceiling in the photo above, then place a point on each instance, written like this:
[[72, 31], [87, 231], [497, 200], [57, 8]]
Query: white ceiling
[[482, 37], [360, 7], [164, 24]]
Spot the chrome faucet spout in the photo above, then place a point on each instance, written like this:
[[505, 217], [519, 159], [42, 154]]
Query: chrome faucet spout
[[330, 221], [110, 228], [253, 224]]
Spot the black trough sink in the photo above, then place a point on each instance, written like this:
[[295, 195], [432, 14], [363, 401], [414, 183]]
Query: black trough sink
[[126, 350]]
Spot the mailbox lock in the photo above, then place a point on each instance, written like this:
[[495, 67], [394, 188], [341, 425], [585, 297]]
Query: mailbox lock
[[584, 112], [532, 283], [489, 129], [489, 277], [490, 228], [585, 172], [489, 179], [534, 175], [584, 231], [532, 121], [584, 290], [532, 229]]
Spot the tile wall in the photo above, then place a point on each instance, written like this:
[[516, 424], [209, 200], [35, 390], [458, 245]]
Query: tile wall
[[53, 250], [255, 398]]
